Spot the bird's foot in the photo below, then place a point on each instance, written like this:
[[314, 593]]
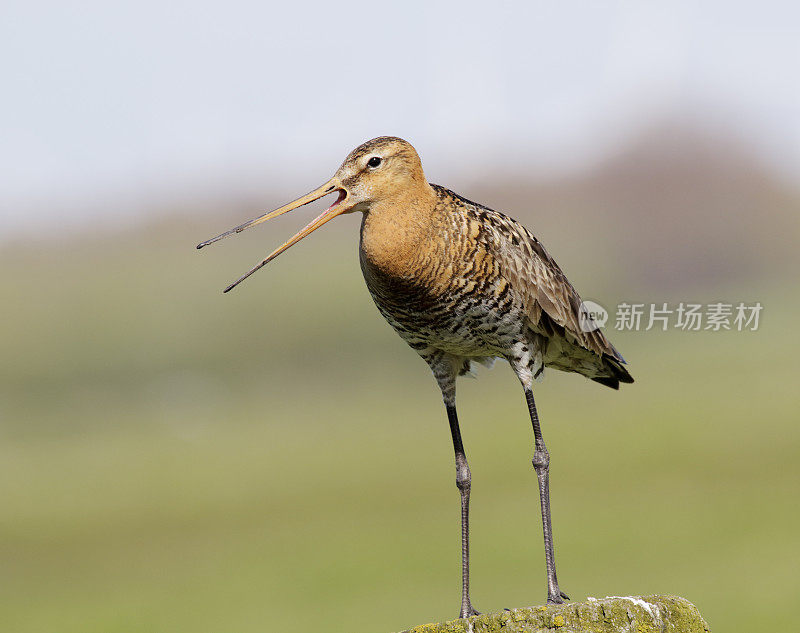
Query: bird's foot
[[468, 611], [557, 598]]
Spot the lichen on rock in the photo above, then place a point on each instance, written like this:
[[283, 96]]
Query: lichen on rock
[[614, 614]]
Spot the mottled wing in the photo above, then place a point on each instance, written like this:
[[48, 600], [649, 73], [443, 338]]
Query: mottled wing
[[552, 303]]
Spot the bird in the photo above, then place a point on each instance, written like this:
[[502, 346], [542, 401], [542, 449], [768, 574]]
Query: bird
[[462, 285]]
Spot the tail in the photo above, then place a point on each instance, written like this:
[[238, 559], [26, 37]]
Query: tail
[[616, 373]]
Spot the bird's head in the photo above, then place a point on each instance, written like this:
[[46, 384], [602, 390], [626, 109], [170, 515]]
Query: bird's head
[[378, 171]]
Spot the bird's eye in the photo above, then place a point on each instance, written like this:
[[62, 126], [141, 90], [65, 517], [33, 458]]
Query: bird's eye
[[375, 161]]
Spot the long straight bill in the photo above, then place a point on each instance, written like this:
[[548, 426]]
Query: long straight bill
[[329, 213], [337, 208], [329, 187]]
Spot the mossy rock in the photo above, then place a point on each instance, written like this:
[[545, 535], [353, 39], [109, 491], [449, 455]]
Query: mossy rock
[[633, 614]]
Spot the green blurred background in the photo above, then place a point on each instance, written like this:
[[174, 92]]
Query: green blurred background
[[276, 459]]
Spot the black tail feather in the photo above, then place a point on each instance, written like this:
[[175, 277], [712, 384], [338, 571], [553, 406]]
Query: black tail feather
[[608, 382], [617, 373]]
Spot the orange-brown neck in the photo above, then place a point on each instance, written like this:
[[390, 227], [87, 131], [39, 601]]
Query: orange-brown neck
[[397, 232]]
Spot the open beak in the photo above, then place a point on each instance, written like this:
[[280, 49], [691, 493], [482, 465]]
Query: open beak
[[337, 208]]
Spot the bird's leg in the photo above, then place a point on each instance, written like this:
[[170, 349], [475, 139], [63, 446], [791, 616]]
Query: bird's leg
[[445, 369], [463, 482], [541, 463]]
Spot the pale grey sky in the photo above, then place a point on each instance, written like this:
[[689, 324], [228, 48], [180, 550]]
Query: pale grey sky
[[108, 105]]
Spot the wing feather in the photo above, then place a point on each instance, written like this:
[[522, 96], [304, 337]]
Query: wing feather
[[546, 291], [551, 303]]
